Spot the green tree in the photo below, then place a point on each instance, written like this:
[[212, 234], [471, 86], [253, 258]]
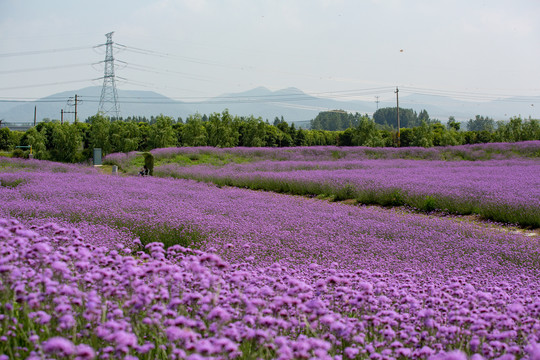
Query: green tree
[[423, 135], [322, 137], [301, 138], [367, 134], [328, 120], [469, 137], [424, 116], [484, 136], [221, 130], [178, 130], [292, 132], [162, 133], [124, 136], [345, 138], [252, 131], [444, 137], [335, 120], [144, 132], [37, 140], [66, 140], [453, 124], [46, 128], [84, 146], [98, 135], [512, 131], [284, 127], [481, 123], [387, 137], [407, 137], [284, 135], [531, 129], [272, 136], [388, 117], [194, 132], [6, 139]]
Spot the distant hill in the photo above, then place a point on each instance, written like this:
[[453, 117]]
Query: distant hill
[[291, 103], [132, 102]]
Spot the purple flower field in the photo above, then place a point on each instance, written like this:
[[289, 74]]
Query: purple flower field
[[505, 188], [489, 151], [84, 274], [501, 190]]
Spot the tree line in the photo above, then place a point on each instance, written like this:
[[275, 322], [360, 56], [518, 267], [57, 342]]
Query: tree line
[[418, 129], [74, 142]]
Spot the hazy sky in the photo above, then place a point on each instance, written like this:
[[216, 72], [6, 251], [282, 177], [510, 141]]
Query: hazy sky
[[194, 49]]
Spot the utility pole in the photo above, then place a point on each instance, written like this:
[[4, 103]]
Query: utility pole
[[108, 102], [35, 110], [377, 102], [62, 116], [398, 127], [75, 107], [73, 101]]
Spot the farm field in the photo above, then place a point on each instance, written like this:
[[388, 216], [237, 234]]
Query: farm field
[[500, 182], [104, 266]]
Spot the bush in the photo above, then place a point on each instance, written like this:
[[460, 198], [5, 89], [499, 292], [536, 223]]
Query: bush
[[149, 162], [430, 204], [18, 153]]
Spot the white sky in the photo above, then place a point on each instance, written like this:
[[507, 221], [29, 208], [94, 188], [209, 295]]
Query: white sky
[[204, 48]]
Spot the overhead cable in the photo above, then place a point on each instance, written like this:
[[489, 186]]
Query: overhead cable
[[43, 68], [36, 52], [48, 84]]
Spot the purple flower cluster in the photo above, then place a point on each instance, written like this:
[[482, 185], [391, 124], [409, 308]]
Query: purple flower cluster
[[63, 297]]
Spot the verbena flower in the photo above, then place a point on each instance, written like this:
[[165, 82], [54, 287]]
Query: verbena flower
[[59, 346]]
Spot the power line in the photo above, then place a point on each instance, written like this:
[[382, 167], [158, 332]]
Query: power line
[[36, 52], [166, 55], [154, 70], [44, 68], [47, 84], [468, 95], [30, 101]]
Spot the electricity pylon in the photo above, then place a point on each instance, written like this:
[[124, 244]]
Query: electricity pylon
[[108, 102]]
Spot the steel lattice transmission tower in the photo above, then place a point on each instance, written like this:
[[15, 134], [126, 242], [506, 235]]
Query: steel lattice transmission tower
[[108, 102]]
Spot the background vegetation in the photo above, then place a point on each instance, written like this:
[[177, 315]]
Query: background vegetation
[[52, 140]]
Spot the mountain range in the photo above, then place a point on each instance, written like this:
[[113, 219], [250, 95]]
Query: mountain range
[[291, 103]]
